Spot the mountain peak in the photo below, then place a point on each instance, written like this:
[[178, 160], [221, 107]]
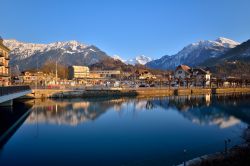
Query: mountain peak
[[141, 59], [227, 42], [195, 53]]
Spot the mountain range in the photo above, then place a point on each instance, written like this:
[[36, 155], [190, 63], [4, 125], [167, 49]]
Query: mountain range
[[195, 53], [209, 53], [30, 55]]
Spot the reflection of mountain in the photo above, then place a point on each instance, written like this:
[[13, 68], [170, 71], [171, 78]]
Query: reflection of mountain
[[11, 118], [74, 112], [223, 111]]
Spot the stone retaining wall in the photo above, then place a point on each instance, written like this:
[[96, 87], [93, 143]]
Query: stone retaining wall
[[46, 93]]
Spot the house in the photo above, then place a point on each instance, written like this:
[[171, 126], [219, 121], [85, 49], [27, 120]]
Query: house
[[201, 77], [182, 75], [185, 75], [182, 72], [35, 78], [4, 64], [143, 74]]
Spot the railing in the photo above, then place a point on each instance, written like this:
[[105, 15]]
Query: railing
[[13, 89]]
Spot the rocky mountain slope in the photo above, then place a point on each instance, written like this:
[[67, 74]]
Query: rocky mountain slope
[[30, 55], [195, 53], [234, 62]]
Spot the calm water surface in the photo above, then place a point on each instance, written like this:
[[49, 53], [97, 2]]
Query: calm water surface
[[152, 131]]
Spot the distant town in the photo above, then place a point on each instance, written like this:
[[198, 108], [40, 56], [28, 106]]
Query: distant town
[[83, 77]]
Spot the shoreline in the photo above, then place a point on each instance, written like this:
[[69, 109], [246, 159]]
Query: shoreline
[[128, 92]]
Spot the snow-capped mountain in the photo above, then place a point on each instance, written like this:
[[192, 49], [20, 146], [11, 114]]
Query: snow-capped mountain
[[195, 53], [141, 59], [117, 57], [27, 55]]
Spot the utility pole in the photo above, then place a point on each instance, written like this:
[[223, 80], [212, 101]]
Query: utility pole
[[36, 71], [56, 72]]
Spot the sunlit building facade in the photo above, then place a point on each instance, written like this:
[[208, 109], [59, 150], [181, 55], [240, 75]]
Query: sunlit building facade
[[78, 72], [4, 64]]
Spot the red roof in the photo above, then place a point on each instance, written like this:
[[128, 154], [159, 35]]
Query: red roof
[[183, 67]]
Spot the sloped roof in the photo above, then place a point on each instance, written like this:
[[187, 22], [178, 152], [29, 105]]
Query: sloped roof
[[200, 71], [183, 67]]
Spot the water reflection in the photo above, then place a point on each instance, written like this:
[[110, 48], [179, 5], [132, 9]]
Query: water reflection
[[11, 118], [221, 110], [126, 131]]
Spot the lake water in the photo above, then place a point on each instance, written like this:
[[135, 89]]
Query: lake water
[[120, 132]]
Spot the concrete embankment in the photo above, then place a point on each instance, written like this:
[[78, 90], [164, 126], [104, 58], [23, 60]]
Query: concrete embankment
[[52, 93]]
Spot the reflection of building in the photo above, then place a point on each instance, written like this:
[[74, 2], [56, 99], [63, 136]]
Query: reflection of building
[[68, 113], [78, 72], [4, 64]]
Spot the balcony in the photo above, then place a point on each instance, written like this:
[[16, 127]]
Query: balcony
[[7, 57], [1, 54], [1, 64], [4, 75]]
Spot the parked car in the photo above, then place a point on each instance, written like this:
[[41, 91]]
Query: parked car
[[144, 85], [152, 85]]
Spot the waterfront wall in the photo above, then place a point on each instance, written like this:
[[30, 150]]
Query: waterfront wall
[[148, 92]]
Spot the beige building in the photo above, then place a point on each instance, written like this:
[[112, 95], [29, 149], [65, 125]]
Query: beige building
[[78, 72], [4, 64], [35, 78], [105, 73]]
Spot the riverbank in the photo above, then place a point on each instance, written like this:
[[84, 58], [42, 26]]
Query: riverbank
[[236, 156], [120, 92]]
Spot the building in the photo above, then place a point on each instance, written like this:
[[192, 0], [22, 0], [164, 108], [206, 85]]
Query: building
[[182, 72], [143, 74], [4, 64], [105, 74], [35, 78], [201, 77], [185, 75], [78, 72]]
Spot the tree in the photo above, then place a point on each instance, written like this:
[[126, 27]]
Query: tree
[[50, 67]]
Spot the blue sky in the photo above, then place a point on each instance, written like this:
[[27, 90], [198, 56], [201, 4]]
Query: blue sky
[[126, 27]]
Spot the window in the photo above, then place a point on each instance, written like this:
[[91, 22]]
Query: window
[[179, 72]]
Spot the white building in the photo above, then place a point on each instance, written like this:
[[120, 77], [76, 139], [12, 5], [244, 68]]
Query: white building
[[193, 76]]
